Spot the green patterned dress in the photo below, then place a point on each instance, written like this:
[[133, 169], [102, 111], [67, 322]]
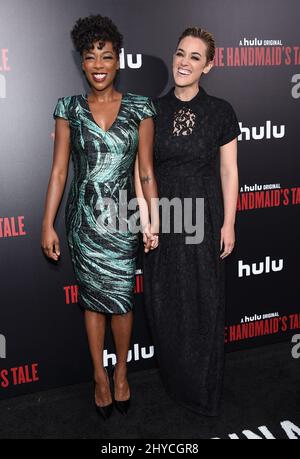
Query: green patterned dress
[[103, 256]]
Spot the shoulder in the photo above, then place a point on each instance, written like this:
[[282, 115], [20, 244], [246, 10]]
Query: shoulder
[[162, 102], [138, 99], [228, 125], [142, 106], [65, 107], [162, 99], [219, 105], [68, 100]]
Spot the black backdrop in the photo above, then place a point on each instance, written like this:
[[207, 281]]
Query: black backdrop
[[42, 337]]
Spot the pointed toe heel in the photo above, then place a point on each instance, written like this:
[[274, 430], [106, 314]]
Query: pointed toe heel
[[123, 406], [104, 411]]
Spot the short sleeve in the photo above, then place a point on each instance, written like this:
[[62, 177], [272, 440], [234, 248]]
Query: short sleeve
[[60, 110], [230, 126], [148, 110]]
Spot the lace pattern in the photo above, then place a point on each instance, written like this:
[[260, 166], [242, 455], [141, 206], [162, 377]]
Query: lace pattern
[[184, 121]]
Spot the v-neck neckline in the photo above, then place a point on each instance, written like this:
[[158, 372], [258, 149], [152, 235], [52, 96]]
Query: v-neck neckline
[[87, 106]]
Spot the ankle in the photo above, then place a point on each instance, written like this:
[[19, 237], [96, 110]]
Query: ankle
[[121, 366], [100, 375]]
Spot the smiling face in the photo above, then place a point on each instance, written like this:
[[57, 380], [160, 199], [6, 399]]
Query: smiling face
[[189, 61], [100, 65]]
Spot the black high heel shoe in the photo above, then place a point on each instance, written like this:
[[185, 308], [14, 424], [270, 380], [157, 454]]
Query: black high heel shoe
[[121, 405], [106, 410]]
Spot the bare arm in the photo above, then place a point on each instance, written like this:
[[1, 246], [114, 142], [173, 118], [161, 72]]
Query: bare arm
[[146, 172], [230, 188], [143, 207], [56, 185]]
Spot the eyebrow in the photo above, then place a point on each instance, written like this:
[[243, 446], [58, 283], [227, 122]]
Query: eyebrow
[[92, 52], [194, 52]]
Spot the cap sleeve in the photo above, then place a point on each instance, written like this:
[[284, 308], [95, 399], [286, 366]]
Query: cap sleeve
[[60, 110], [148, 110], [230, 126]]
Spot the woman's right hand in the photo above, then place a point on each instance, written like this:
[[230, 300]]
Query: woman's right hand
[[150, 239], [50, 243]]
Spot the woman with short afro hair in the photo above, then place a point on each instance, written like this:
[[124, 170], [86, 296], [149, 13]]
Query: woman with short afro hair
[[109, 136]]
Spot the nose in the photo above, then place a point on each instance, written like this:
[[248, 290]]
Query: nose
[[184, 61], [98, 63]]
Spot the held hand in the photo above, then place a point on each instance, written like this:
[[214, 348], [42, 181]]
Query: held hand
[[50, 243], [155, 238], [147, 242], [149, 238], [227, 240]]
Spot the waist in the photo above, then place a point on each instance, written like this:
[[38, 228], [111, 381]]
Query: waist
[[120, 179], [185, 179], [181, 174]]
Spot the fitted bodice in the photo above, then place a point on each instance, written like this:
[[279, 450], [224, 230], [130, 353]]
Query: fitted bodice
[[189, 134]]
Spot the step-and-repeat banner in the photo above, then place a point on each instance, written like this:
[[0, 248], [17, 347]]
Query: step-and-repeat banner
[[257, 69]]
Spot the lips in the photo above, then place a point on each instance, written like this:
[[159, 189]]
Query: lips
[[183, 72], [99, 77]]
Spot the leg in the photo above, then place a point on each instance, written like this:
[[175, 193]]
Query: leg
[[95, 326], [121, 325]]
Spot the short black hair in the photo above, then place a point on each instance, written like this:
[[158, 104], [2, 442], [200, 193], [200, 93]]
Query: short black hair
[[95, 28]]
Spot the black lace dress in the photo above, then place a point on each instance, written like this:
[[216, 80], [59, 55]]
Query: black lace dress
[[184, 283]]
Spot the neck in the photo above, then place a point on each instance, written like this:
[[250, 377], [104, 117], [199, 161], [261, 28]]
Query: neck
[[186, 93], [104, 95]]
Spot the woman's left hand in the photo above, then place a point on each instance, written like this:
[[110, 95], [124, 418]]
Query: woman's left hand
[[227, 240], [154, 238]]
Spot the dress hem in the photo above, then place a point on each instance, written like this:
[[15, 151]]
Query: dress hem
[[210, 414], [108, 313]]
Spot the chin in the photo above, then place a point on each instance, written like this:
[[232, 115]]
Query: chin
[[179, 82], [183, 84], [99, 86]]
